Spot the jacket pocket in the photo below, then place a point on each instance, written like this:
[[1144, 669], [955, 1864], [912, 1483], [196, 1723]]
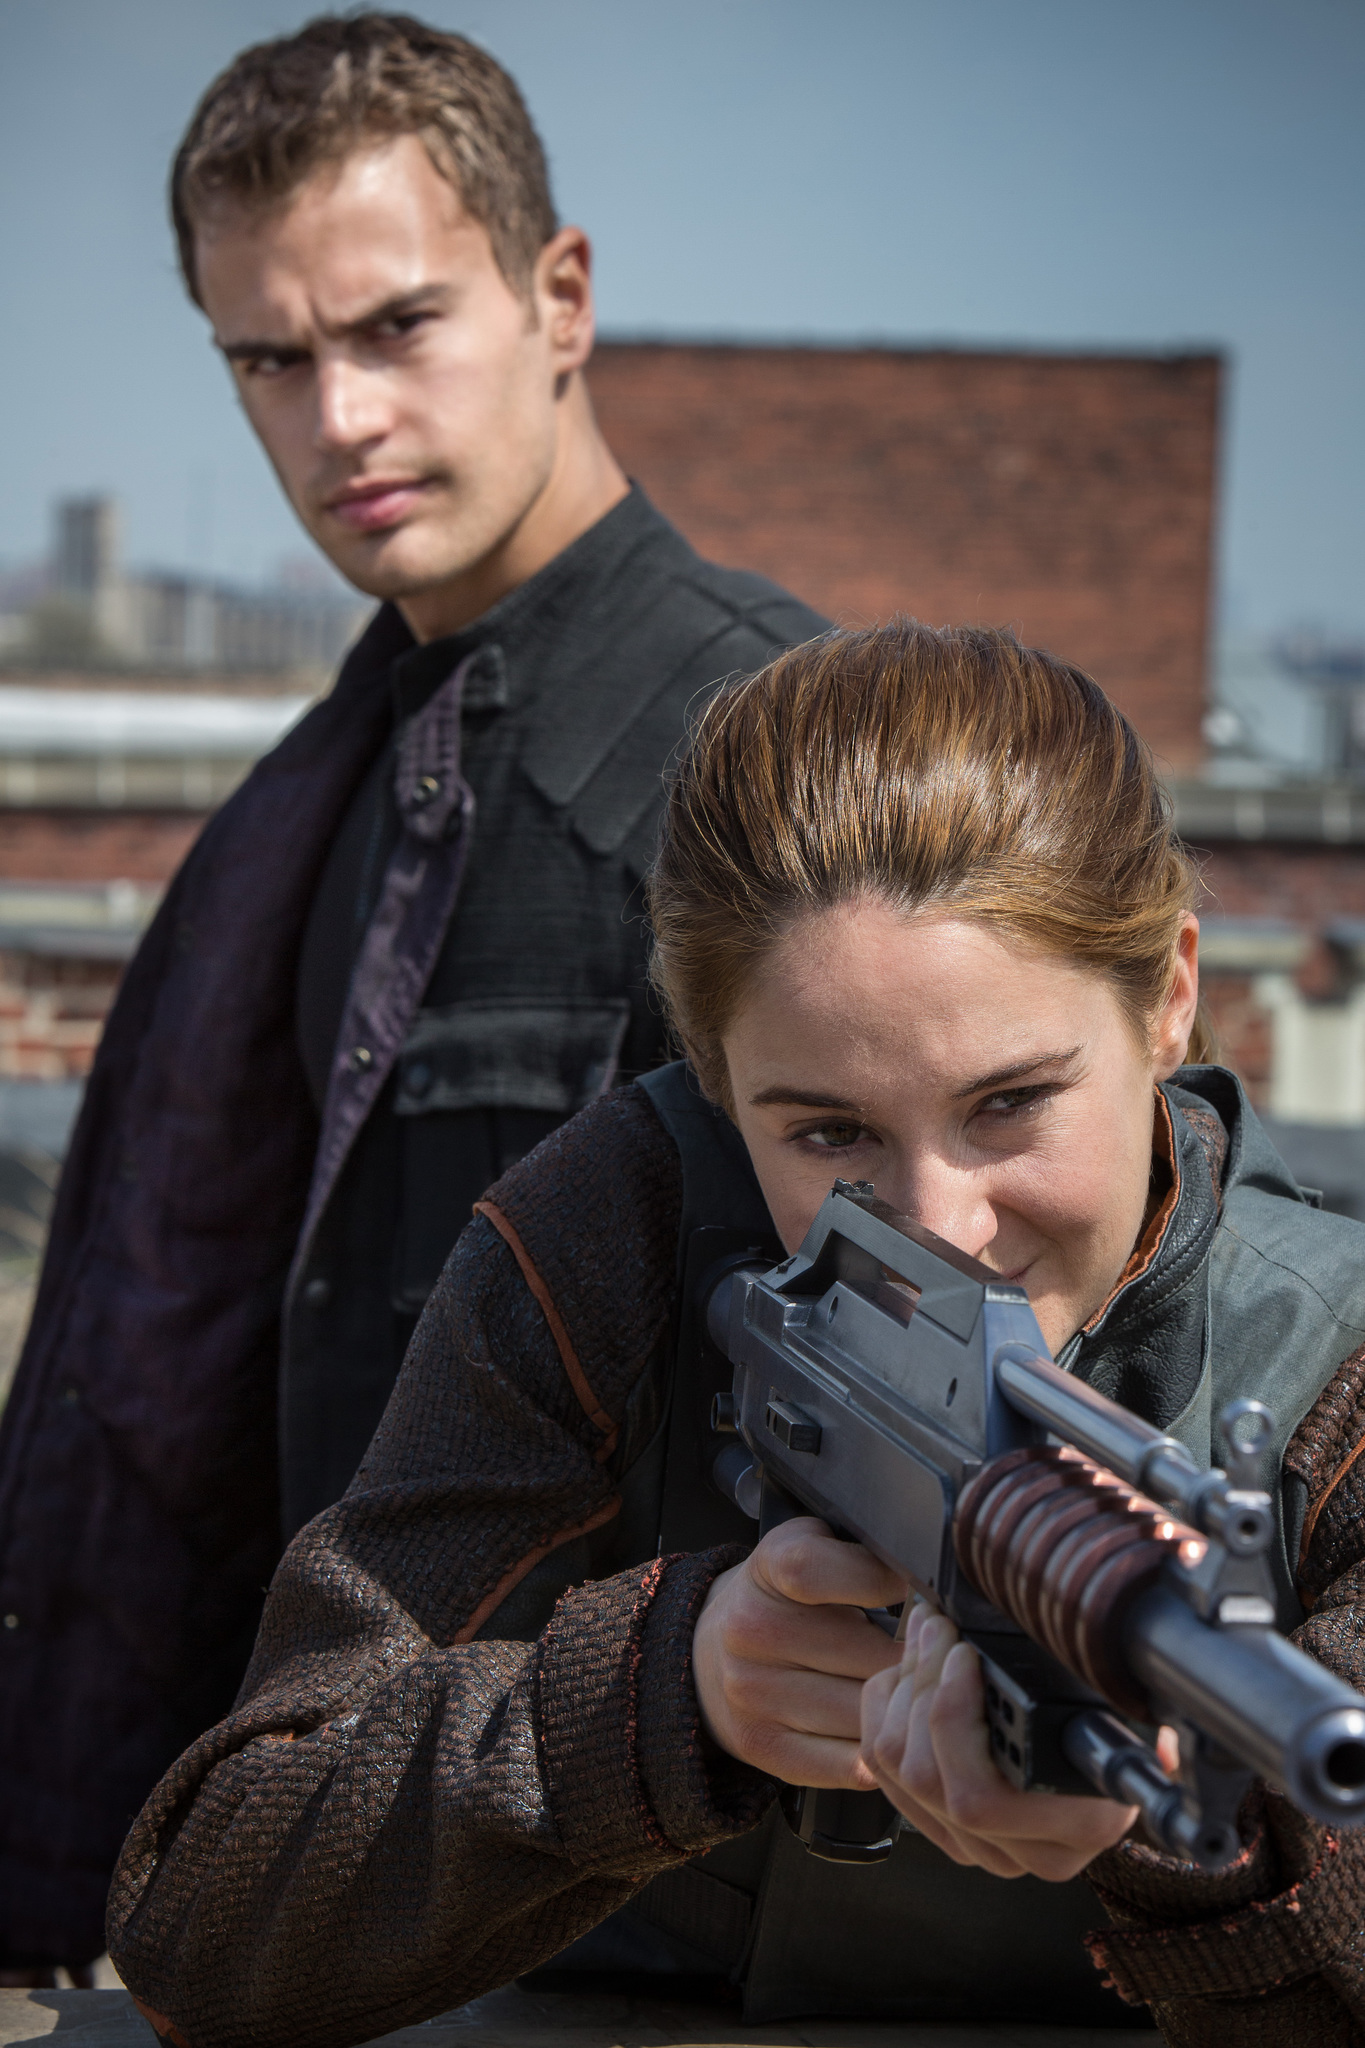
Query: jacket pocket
[[548, 1056], [478, 1085]]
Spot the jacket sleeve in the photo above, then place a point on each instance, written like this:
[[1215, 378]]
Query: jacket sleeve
[[1271, 1952], [403, 1810]]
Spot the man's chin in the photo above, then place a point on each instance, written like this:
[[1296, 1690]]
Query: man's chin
[[386, 565]]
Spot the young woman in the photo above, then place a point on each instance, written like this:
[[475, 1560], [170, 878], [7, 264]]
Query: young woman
[[920, 919]]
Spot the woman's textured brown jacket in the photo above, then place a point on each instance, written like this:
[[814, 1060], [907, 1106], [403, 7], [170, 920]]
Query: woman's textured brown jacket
[[402, 1813]]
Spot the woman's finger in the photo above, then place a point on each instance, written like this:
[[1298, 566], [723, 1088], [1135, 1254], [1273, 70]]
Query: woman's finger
[[896, 1743], [960, 1848], [800, 1560], [804, 1701], [819, 1760], [926, 1742], [979, 1803]]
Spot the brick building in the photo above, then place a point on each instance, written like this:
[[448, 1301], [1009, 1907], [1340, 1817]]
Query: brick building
[[1071, 496], [1068, 496]]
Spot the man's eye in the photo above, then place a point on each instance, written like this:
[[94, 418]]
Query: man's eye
[[401, 324], [271, 365]]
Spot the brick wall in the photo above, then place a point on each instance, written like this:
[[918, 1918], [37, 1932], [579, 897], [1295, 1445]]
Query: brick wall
[[1307, 885], [1243, 1028], [1304, 885], [1071, 497], [52, 1012], [89, 846], [52, 1008]]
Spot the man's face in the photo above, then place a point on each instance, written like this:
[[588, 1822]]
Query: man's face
[[404, 392]]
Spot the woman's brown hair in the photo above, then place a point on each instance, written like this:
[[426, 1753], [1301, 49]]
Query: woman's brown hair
[[953, 770]]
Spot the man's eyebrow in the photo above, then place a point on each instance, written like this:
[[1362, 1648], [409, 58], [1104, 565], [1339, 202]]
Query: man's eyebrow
[[799, 1098], [425, 298], [244, 351], [1004, 1076]]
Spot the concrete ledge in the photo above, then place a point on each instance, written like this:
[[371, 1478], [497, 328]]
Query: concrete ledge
[[513, 2018], [1318, 813]]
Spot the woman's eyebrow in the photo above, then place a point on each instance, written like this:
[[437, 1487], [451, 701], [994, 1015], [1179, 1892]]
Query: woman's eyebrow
[[1003, 1076], [798, 1098]]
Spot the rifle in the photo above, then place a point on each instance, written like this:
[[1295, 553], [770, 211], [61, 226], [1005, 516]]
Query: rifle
[[886, 1381]]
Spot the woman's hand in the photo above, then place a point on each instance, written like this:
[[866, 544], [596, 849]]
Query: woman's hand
[[926, 1743], [781, 1651]]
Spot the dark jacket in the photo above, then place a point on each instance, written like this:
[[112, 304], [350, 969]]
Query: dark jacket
[[139, 1479], [428, 1787]]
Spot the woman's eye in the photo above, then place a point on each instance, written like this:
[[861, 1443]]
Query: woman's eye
[[1013, 1103], [834, 1137]]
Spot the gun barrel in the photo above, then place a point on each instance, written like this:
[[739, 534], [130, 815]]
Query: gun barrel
[[1121, 1766], [1084, 1566], [1291, 1720], [1155, 1464]]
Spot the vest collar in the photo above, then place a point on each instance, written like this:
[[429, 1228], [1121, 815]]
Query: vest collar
[[1145, 1346]]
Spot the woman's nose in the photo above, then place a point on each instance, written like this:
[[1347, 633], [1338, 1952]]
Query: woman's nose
[[951, 1203]]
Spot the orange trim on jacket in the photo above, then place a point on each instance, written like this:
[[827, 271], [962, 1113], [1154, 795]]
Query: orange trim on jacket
[[578, 1379], [492, 1601]]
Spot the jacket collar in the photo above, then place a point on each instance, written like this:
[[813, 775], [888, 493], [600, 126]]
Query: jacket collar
[[1145, 1346], [552, 621]]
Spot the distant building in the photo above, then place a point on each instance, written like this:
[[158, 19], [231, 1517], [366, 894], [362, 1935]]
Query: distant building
[[178, 622], [94, 614], [86, 557]]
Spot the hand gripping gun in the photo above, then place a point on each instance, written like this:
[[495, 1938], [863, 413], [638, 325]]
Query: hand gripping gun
[[896, 1387]]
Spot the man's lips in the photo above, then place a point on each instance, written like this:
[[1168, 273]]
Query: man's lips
[[369, 507]]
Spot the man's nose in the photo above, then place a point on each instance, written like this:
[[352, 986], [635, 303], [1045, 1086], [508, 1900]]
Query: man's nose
[[947, 1200], [352, 405]]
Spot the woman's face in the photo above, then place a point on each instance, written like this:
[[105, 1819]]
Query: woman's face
[[996, 1095]]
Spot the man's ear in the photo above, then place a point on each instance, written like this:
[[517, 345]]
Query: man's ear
[[1171, 1036], [561, 286]]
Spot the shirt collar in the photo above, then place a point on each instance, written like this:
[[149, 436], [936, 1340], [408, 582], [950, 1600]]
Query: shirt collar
[[549, 607]]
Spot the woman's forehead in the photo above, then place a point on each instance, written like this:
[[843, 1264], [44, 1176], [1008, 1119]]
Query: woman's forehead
[[865, 989]]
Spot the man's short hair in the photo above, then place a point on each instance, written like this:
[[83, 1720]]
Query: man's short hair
[[287, 108]]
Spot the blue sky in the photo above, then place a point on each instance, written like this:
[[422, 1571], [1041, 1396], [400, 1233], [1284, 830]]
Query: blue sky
[[1073, 173]]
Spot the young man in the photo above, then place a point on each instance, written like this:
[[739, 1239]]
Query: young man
[[403, 953]]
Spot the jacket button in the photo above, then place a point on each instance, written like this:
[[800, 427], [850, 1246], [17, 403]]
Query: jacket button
[[317, 1293], [361, 1057], [425, 791], [11, 1621]]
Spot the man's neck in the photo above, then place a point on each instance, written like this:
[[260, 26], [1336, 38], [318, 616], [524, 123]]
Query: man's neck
[[584, 484]]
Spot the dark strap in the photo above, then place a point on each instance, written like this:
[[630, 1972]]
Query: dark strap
[[723, 1213]]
